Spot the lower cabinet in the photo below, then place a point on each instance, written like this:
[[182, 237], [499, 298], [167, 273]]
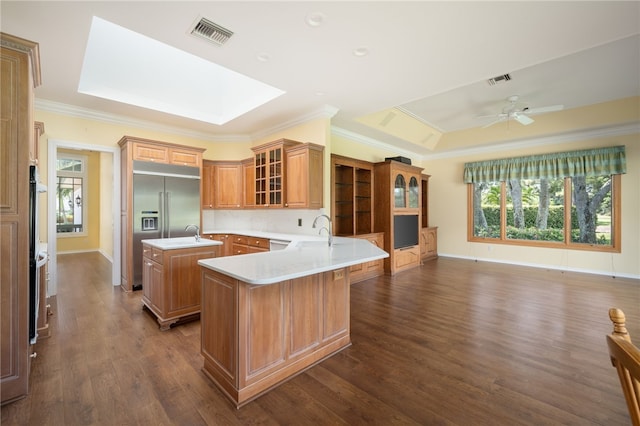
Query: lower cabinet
[[171, 282], [255, 337], [429, 243], [405, 258], [364, 271]]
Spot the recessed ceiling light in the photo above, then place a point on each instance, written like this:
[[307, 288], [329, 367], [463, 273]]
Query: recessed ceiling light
[[315, 19], [360, 51], [124, 66]]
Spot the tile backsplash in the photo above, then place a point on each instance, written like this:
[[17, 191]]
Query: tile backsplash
[[279, 221]]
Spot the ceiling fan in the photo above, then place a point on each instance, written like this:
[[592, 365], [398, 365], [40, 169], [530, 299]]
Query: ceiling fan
[[519, 113]]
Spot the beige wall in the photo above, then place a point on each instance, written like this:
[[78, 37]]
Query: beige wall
[[448, 211]]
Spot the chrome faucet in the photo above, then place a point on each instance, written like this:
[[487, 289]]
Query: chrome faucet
[[197, 231], [329, 231]]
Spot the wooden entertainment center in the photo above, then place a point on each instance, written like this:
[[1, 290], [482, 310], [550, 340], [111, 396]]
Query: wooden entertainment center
[[387, 199]]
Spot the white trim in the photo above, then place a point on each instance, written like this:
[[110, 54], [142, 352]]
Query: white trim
[[327, 111], [364, 140], [557, 139], [542, 266], [53, 146]]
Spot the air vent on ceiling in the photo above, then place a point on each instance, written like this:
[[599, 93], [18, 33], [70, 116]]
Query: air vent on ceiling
[[499, 79], [208, 30]]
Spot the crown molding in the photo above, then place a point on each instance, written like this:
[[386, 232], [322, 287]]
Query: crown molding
[[556, 139], [326, 111], [74, 111], [365, 140]]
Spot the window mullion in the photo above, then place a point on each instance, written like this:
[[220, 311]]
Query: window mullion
[[568, 202], [503, 211]]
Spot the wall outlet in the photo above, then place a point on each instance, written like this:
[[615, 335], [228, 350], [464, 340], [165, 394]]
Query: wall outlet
[[299, 222]]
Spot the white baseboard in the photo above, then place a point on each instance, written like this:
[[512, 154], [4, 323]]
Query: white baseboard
[[540, 266]]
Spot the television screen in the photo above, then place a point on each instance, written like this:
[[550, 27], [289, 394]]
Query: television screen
[[405, 231]]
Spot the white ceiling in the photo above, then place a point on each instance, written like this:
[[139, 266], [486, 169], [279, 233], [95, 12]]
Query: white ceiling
[[432, 59]]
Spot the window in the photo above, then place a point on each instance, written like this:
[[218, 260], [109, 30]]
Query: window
[[569, 200], [70, 194]]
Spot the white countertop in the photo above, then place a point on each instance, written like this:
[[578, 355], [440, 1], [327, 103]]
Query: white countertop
[[294, 238], [180, 243], [304, 256]]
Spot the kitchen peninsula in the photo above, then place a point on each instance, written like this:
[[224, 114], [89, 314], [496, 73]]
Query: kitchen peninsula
[[268, 316]]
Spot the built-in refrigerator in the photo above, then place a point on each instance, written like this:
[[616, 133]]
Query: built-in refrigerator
[[166, 198]]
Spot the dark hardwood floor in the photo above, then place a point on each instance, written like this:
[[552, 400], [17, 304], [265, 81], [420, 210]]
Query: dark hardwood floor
[[453, 342]]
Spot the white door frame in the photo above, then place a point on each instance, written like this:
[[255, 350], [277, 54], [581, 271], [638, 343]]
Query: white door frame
[[54, 144]]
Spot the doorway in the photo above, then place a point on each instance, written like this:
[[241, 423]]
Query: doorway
[[53, 147]]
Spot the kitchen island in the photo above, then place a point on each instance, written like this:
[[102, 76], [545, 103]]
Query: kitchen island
[[171, 279], [266, 317]]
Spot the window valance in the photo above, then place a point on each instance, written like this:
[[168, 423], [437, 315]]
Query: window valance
[[590, 162]]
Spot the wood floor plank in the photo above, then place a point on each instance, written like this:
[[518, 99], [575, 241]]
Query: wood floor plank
[[453, 342]]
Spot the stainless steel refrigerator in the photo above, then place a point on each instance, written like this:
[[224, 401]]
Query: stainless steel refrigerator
[[166, 198]]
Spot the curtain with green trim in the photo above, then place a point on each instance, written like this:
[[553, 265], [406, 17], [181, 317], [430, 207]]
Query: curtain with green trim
[[590, 162]]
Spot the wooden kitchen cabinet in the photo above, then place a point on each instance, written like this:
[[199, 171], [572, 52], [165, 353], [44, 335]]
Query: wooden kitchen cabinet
[[167, 153], [364, 271], [19, 75], [248, 183], [206, 200], [227, 184], [138, 149], [399, 215], [226, 249], [171, 282], [243, 244], [269, 168], [254, 337], [304, 176]]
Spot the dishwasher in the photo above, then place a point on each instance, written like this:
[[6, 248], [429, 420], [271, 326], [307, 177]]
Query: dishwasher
[[278, 244]]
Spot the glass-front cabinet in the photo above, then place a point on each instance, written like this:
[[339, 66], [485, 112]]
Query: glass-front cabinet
[[269, 169], [406, 192], [414, 193]]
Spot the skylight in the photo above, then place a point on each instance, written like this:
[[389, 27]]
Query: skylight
[[124, 66]]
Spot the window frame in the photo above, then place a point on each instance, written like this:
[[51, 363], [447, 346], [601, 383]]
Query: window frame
[[616, 221], [84, 175]]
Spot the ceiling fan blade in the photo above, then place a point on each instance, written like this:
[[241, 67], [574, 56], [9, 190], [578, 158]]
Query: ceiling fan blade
[[500, 118], [522, 119], [550, 108]]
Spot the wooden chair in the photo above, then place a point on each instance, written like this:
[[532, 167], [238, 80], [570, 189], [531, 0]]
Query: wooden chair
[[625, 357]]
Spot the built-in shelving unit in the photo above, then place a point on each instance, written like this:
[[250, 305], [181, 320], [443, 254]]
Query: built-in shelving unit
[[351, 196]]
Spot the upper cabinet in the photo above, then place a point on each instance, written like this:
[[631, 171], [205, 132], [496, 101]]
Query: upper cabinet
[[269, 168], [303, 176], [162, 152], [351, 196], [207, 185], [248, 182], [227, 184], [281, 174], [406, 190]]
